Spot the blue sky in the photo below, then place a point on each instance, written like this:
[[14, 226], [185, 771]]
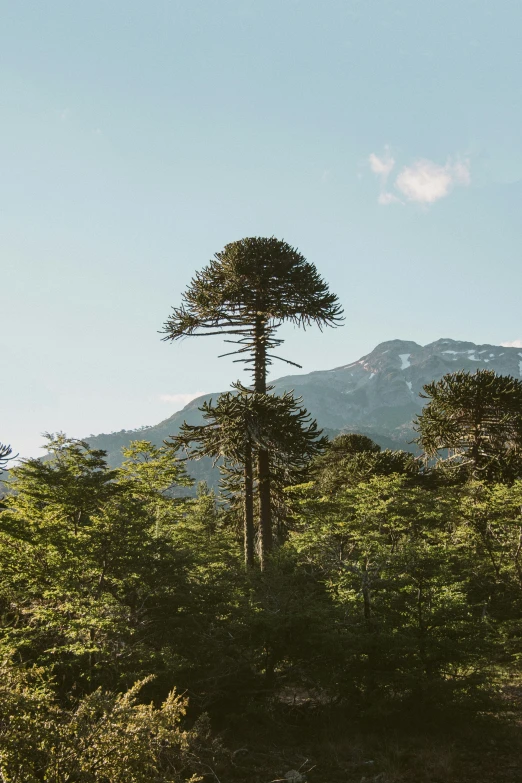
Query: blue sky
[[381, 137]]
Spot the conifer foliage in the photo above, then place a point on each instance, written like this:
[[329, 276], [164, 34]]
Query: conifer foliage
[[241, 424], [6, 454], [477, 417]]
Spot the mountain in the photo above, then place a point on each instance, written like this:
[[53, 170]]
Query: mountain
[[380, 391], [378, 395]]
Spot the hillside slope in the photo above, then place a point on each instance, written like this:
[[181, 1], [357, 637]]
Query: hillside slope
[[377, 395]]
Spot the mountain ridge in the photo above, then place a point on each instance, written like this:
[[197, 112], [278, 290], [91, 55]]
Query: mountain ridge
[[377, 395]]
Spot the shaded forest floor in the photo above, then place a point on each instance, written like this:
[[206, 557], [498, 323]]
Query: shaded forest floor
[[321, 748]]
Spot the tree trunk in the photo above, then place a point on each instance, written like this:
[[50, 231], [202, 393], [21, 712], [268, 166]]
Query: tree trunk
[[263, 464], [366, 586], [265, 515], [249, 507]]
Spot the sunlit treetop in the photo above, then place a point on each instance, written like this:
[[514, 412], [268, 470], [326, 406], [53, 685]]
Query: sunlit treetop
[[254, 283], [251, 277]]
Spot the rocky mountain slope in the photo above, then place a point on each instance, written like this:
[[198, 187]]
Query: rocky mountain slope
[[377, 395]]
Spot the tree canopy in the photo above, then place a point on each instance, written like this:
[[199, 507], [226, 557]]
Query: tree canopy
[[248, 289], [389, 599], [239, 425], [477, 419]]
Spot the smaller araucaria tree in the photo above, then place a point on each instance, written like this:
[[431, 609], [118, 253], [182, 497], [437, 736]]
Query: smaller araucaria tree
[[237, 427], [477, 419]]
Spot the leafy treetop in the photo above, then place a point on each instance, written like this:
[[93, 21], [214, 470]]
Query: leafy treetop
[[254, 281], [478, 418]]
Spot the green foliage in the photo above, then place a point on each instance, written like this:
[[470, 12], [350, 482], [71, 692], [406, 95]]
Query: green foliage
[[293, 622], [396, 558], [84, 570], [150, 474], [205, 641], [254, 279], [349, 444], [478, 418], [392, 592], [237, 427], [351, 459], [102, 738], [150, 471], [246, 419], [75, 481]]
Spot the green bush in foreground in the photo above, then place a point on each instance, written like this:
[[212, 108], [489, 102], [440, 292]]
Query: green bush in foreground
[[104, 738]]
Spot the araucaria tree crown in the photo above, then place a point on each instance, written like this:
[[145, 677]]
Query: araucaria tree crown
[[247, 290]]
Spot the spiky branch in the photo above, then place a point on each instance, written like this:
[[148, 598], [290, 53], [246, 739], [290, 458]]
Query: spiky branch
[[6, 455]]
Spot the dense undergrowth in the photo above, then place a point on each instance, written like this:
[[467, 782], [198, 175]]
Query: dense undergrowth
[[381, 642]]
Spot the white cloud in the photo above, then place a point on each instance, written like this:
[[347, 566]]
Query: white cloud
[[180, 399], [512, 344], [423, 181], [427, 182], [388, 198], [461, 173], [382, 166]]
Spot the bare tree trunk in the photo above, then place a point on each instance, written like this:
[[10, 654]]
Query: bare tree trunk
[[265, 514], [263, 463], [249, 507]]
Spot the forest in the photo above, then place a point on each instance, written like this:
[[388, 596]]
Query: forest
[[336, 612]]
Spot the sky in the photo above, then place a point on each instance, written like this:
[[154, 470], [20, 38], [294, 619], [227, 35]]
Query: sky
[[380, 137]]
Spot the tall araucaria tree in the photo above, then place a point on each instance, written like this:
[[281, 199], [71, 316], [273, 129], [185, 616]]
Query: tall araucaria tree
[[247, 291]]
